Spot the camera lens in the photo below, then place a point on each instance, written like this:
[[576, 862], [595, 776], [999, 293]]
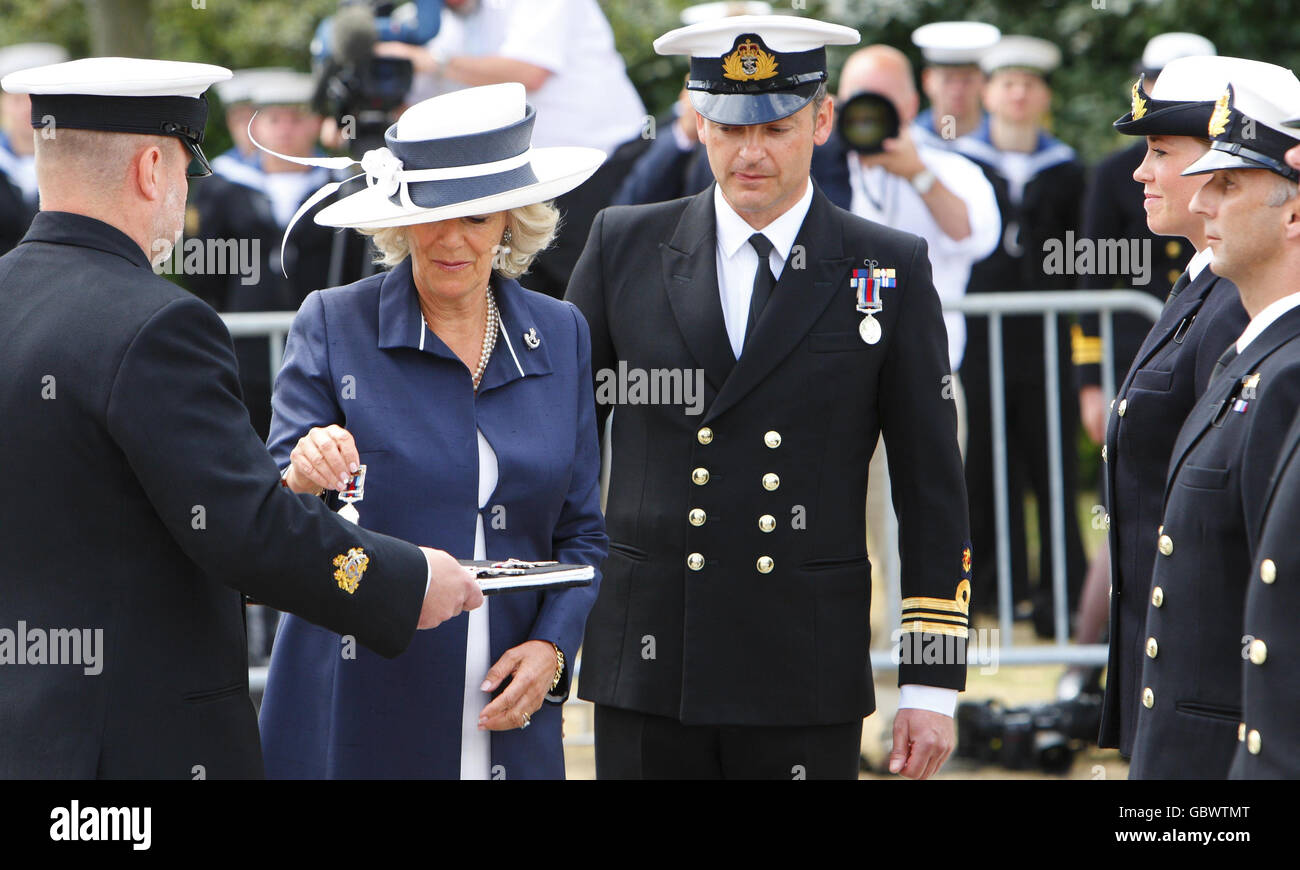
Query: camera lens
[[866, 121]]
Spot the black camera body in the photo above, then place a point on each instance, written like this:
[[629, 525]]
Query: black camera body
[[866, 120], [1040, 736]]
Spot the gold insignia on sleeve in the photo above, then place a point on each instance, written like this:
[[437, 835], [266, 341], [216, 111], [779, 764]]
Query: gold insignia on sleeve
[[350, 568], [939, 615], [965, 559], [1219, 117], [1139, 104], [748, 63]]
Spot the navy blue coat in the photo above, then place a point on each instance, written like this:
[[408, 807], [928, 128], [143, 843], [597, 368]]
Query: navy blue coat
[[1168, 374], [1269, 736], [1268, 744], [1214, 499], [356, 356]]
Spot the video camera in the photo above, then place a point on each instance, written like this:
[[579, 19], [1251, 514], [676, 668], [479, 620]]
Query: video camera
[[355, 87], [1040, 736]]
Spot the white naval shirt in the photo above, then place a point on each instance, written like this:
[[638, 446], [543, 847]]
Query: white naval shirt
[[1264, 319], [737, 263]]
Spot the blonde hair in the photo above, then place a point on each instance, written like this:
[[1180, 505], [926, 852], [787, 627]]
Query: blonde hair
[[532, 228]]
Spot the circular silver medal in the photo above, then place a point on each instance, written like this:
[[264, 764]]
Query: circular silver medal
[[869, 329]]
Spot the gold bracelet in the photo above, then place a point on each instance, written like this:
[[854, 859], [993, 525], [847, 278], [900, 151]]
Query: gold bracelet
[[559, 668]]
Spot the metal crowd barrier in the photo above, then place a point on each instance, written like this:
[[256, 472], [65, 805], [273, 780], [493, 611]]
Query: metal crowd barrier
[[995, 306]]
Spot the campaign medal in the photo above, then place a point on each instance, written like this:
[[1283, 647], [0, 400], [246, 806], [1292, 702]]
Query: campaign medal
[[354, 492], [868, 283]]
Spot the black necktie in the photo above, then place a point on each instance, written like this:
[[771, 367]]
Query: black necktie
[[764, 281], [1179, 286], [1224, 361]]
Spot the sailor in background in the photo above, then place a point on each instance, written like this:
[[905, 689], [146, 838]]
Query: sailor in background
[[1209, 549], [18, 200], [1039, 182], [952, 80]]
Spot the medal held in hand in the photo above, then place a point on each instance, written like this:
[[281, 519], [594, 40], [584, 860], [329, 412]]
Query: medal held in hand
[[868, 283], [354, 492]]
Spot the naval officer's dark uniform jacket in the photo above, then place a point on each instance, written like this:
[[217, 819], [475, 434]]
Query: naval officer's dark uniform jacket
[[1269, 736], [1169, 373], [1214, 498], [138, 499], [737, 588]]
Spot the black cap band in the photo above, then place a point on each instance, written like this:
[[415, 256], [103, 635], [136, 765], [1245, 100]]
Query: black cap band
[[182, 117], [750, 68]]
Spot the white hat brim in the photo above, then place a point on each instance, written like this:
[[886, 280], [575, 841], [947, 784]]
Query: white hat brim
[[558, 170], [1214, 160]]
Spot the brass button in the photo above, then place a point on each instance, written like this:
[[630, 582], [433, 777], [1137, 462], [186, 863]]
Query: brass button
[[697, 516], [1166, 545], [705, 435], [700, 476], [1267, 571], [1258, 652], [1152, 647], [1173, 276], [1157, 596], [765, 564], [1161, 530], [1103, 453], [1123, 406], [1241, 732], [772, 439], [1148, 698], [1173, 249], [1253, 742], [766, 523], [695, 561], [771, 481]]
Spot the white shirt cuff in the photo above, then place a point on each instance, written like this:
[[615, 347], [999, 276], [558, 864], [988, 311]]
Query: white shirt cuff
[[933, 698], [428, 578]]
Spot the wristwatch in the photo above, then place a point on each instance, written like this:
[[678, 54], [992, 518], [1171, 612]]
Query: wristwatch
[[923, 181]]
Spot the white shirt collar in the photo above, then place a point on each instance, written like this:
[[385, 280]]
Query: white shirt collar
[[1264, 319], [733, 231], [1196, 265]]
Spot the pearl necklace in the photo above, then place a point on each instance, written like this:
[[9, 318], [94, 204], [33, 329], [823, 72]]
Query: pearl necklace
[[489, 337]]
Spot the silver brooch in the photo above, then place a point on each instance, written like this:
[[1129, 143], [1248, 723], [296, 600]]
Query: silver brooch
[[532, 339]]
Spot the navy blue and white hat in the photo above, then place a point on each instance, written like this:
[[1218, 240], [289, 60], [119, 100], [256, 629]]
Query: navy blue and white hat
[[465, 153], [754, 69], [1184, 95], [123, 95], [1249, 130]]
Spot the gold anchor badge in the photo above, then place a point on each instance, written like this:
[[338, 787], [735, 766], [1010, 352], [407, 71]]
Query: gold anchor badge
[[350, 568], [1219, 118], [1139, 104], [748, 63]]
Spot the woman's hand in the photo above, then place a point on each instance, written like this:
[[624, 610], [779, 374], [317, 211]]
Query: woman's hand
[[532, 666], [324, 458]]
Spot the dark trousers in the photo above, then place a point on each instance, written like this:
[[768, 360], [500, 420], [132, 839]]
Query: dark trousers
[[1027, 464], [631, 745]]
